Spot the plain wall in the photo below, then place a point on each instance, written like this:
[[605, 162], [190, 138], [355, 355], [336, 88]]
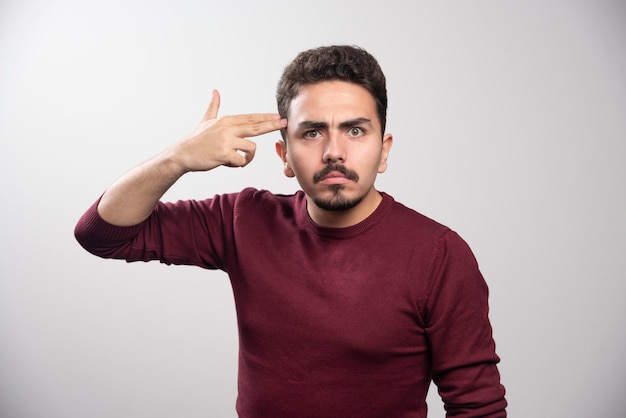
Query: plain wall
[[509, 120]]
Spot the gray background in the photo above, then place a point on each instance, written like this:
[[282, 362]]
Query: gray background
[[509, 121]]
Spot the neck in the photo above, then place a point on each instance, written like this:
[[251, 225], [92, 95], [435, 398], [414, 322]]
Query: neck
[[344, 218]]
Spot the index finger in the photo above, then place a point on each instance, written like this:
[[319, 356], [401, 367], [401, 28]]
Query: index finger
[[254, 124]]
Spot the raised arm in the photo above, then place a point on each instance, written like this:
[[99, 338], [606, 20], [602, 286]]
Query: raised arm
[[215, 142]]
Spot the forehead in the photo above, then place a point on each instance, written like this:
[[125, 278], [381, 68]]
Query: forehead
[[332, 100]]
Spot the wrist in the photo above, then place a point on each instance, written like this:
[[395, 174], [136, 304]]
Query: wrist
[[171, 165]]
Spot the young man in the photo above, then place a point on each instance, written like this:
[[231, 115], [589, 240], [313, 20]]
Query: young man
[[348, 303]]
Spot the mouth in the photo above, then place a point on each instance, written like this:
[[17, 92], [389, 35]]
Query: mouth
[[334, 177]]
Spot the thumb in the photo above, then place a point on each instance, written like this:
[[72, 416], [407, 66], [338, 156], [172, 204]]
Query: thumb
[[211, 112]]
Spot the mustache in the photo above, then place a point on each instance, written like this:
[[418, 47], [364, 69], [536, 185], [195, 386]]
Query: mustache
[[351, 175]]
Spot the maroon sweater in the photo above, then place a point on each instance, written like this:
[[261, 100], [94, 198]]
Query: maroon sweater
[[346, 322]]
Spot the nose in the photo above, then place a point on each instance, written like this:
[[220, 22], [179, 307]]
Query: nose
[[335, 150]]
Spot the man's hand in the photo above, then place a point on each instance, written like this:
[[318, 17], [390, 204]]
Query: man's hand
[[223, 141], [215, 142]]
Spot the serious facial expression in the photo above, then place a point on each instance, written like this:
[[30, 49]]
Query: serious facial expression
[[335, 147]]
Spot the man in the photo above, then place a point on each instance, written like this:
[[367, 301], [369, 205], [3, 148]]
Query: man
[[348, 303]]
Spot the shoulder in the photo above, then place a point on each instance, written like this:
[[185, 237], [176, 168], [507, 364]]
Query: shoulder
[[411, 220], [422, 232]]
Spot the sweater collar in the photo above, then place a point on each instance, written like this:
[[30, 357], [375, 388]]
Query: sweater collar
[[348, 232]]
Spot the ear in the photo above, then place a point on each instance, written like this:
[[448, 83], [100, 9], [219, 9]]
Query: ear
[[384, 153], [281, 151]]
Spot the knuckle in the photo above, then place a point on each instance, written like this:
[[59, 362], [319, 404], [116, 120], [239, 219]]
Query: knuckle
[[255, 128]]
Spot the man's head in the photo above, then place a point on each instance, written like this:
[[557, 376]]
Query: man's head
[[335, 101], [333, 63]]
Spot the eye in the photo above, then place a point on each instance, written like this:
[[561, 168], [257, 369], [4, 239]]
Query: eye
[[311, 134], [356, 131]]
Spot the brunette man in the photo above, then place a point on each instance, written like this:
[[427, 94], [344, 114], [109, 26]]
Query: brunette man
[[348, 303]]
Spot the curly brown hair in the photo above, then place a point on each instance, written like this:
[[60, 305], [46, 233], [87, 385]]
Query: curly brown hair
[[329, 63]]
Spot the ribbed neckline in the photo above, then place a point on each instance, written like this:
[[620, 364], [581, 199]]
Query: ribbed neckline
[[348, 232]]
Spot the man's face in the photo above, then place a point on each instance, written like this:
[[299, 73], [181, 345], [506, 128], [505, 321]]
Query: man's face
[[334, 145]]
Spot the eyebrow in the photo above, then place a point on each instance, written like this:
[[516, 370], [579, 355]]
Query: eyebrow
[[307, 124]]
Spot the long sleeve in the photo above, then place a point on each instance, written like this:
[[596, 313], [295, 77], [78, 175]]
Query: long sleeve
[[459, 332], [186, 232]]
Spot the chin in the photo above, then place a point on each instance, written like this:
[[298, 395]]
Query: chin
[[338, 202]]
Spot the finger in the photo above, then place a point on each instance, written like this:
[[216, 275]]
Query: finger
[[236, 160], [240, 158], [243, 153], [247, 155], [245, 146], [258, 124], [214, 106], [247, 118]]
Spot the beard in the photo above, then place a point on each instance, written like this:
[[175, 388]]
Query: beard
[[337, 202]]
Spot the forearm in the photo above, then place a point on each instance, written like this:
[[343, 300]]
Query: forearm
[[131, 199], [215, 142]]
